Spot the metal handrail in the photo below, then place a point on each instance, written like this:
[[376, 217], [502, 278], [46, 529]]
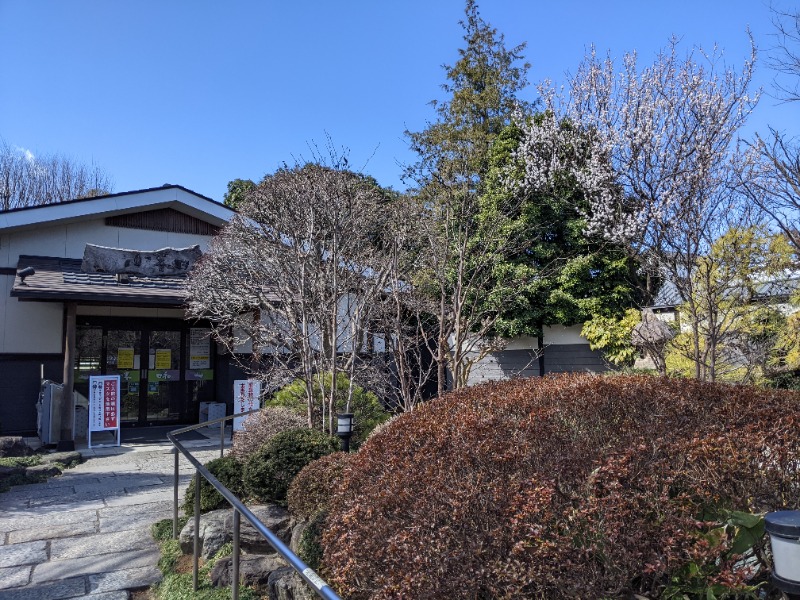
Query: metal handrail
[[322, 589]]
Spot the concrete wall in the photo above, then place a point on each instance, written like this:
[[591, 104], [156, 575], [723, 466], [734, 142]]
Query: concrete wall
[[565, 350]]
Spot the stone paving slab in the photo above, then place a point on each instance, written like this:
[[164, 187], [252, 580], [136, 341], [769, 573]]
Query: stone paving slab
[[48, 532], [11, 577], [89, 565], [104, 543], [16, 523], [116, 510], [28, 553], [125, 579], [73, 587], [133, 521]]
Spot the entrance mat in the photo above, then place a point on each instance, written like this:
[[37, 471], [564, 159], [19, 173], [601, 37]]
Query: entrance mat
[[155, 435]]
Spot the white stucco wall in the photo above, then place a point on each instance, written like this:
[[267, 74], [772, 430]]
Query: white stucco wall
[[560, 334]]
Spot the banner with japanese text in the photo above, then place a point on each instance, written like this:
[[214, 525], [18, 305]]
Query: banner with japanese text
[[246, 394], [104, 399]]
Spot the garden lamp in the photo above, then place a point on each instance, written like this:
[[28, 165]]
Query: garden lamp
[[784, 534], [344, 429]]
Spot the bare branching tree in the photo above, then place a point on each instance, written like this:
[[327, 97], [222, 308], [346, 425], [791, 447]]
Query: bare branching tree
[[771, 178], [661, 154], [26, 180], [304, 272]]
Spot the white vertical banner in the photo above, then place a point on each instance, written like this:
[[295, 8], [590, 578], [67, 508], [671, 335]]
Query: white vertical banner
[[246, 393], [104, 405]]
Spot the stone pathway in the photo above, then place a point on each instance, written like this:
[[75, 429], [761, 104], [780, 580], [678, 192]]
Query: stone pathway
[[87, 532]]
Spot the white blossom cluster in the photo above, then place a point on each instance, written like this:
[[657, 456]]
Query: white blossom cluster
[[648, 147]]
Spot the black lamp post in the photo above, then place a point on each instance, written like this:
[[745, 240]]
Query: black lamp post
[[344, 429], [784, 534]]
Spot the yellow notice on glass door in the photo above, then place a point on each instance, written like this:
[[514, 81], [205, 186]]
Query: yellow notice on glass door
[[163, 358], [125, 358]]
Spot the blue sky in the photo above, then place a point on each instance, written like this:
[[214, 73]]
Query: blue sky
[[200, 92]]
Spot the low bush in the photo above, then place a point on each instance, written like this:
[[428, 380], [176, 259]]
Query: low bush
[[228, 470], [367, 410], [312, 488], [269, 471], [262, 426], [309, 548], [568, 487]]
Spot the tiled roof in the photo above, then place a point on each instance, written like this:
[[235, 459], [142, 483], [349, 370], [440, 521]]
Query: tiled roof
[[61, 279]]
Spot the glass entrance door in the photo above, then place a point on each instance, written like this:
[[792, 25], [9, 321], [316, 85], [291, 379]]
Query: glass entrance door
[[164, 399], [165, 366]]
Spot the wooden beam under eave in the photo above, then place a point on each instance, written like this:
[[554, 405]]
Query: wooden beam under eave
[[66, 439]]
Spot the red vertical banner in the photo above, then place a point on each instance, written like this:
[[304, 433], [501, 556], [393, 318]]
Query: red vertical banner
[[110, 415]]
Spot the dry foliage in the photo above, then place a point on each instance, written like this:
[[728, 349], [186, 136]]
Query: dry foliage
[[313, 487], [570, 487], [261, 427]]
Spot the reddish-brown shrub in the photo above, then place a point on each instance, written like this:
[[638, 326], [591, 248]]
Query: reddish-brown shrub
[[570, 487], [261, 427], [313, 487]]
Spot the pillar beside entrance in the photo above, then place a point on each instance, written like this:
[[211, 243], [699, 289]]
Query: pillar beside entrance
[[67, 440]]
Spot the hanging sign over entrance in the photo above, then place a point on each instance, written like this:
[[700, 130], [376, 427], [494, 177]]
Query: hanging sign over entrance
[[104, 396], [246, 394]]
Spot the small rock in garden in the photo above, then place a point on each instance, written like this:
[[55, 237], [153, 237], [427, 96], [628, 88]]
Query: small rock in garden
[[254, 570], [216, 529], [39, 472], [14, 446], [67, 459], [285, 584], [297, 533]]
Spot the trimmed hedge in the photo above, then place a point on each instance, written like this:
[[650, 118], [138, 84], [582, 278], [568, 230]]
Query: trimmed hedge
[[269, 471], [312, 488], [229, 472], [567, 487]]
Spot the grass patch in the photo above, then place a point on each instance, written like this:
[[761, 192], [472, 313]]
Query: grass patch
[[162, 530], [177, 570], [21, 461]]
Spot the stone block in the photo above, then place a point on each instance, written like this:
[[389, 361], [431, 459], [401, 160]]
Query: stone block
[[12, 445]]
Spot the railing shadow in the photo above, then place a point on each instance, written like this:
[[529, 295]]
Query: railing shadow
[[317, 584]]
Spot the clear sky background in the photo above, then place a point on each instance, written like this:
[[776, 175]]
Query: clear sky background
[[200, 92]]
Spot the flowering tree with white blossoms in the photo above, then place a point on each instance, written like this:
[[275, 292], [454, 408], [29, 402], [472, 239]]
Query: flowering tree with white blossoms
[[658, 150]]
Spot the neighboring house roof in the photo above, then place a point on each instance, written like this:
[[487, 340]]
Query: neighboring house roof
[[166, 197], [62, 280], [776, 288], [667, 297]]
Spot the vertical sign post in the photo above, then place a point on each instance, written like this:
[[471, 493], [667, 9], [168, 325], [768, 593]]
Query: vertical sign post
[[104, 400], [246, 394]]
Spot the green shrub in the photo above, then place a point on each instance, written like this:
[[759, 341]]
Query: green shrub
[[162, 530], [309, 549], [262, 426], [365, 406], [228, 470], [269, 471], [568, 487], [314, 485]]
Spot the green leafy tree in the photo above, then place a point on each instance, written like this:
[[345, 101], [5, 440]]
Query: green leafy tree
[[557, 273], [237, 191], [612, 336], [453, 159], [735, 326]]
